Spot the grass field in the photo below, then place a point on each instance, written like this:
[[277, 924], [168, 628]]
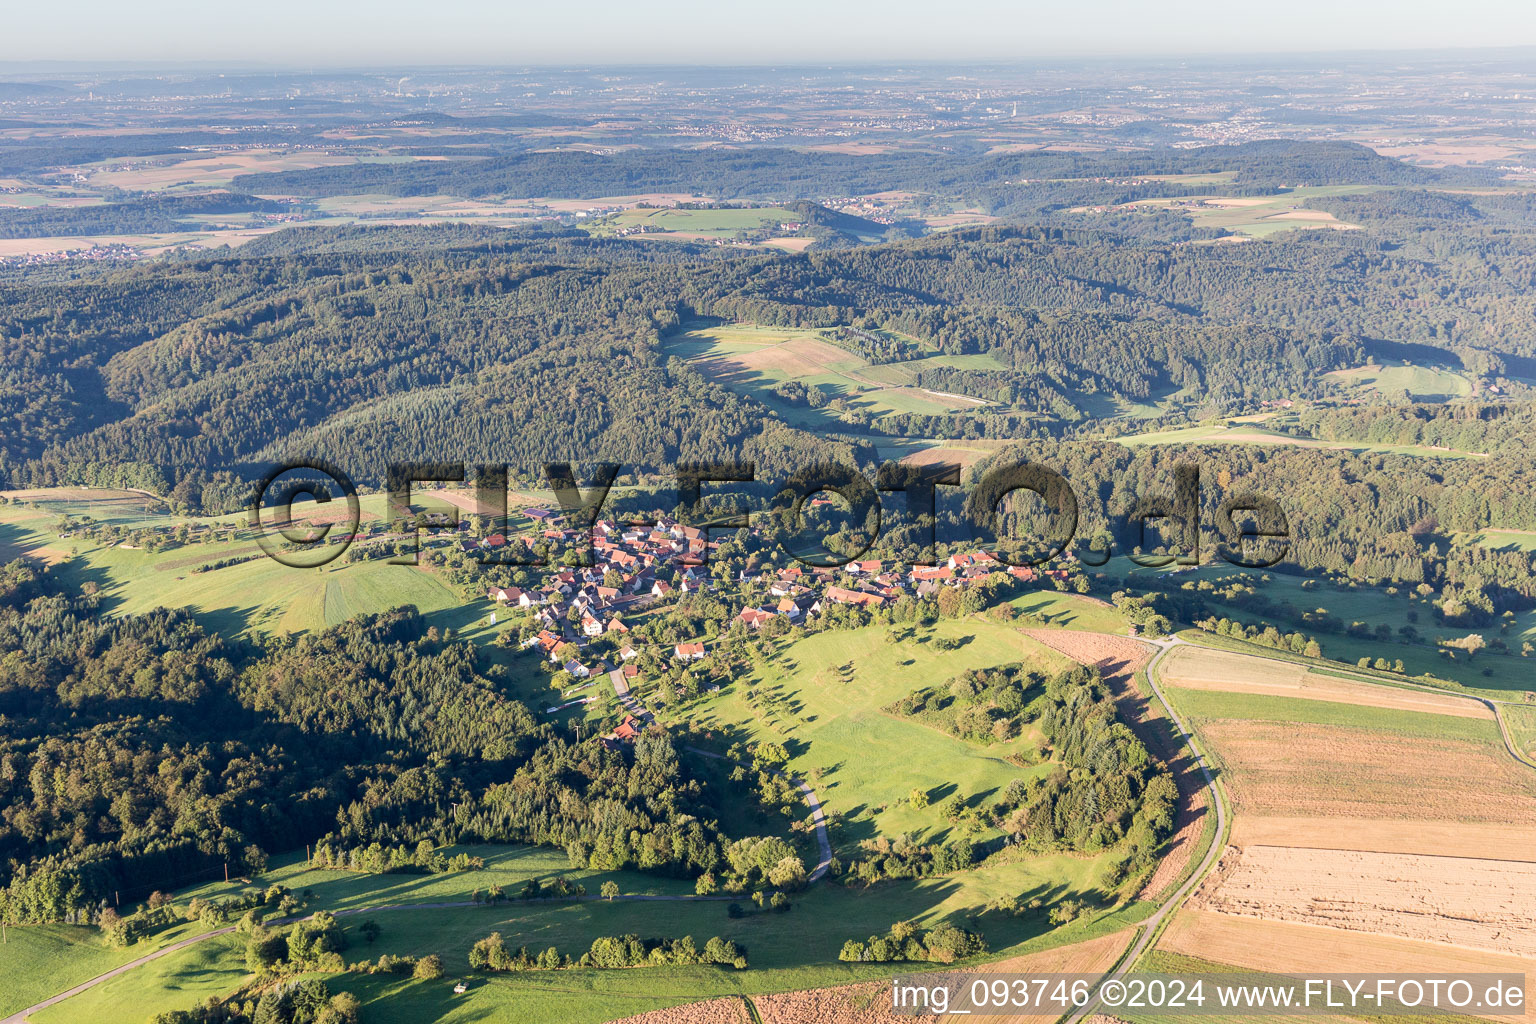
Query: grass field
[[722, 223], [259, 595], [1206, 705], [1258, 435], [175, 982], [1488, 674], [38, 961], [1260, 216], [1508, 540], [790, 950], [755, 360], [1522, 728], [821, 698], [1418, 383]]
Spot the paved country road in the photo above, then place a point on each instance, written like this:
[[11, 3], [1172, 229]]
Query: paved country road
[[1151, 926]]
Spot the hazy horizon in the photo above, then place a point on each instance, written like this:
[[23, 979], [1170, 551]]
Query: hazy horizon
[[292, 35]]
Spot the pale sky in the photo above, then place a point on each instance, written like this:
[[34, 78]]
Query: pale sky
[[354, 34]]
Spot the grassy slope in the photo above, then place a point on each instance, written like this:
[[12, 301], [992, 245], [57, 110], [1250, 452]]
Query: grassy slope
[[43, 960], [867, 761]]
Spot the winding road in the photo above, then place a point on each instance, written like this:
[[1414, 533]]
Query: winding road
[[1149, 929], [1153, 925]]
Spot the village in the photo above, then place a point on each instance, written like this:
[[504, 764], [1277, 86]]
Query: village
[[638, 567]]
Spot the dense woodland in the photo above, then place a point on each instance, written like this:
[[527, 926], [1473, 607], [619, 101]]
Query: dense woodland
[[184, 752]]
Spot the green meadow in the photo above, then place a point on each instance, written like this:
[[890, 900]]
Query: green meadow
[[38, 961], [821, 698], [1418, 383], [719, 223], [1258, 435], [257, 595], [1204, 705]]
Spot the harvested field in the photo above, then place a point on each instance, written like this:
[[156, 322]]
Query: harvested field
[[1110, 654], [1458, 901], [1282, 947], [1204, 669], [1378, 835], [868, 1002], [725, 1010], [1280, 769], [1118, 658], [793, 358], [82, 494]]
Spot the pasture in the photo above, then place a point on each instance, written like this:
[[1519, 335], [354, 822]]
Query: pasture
[[789, 950], [38, 961], [665, 221], [257, 595], [1345, 601]]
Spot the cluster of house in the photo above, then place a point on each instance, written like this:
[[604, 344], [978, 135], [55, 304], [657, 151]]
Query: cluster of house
[[803, 592], [575, 605]]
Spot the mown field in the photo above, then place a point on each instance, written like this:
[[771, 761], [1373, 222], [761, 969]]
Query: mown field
[[756, 360]]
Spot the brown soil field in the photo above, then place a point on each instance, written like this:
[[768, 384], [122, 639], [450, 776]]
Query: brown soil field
[[869, 1002], [1206, 669], [795, 357], [1118, 658], [1452, 153], [1458, 901], [963, 452], [1281, 947], [792, 244], [1434, 838], [1280, 769], [725, 1010]]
